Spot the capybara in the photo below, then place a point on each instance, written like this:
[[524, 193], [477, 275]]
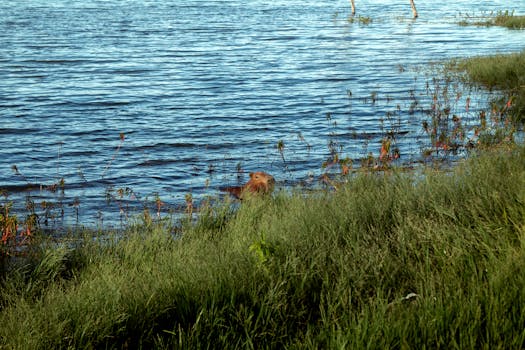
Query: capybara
[[259, 183]]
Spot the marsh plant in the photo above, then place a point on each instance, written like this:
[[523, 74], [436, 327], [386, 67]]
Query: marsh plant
[[456, 124], [362, 20], [502, 74], [507, 19]]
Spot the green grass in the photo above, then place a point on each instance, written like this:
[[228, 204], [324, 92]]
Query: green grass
[[503, 19], [327, 270], [364, 20], [504, 72], [510, 21]]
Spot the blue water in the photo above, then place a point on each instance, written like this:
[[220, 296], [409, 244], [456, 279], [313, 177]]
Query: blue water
[[202, 92]]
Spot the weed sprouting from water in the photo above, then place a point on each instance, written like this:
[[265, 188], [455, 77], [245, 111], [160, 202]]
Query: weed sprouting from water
[[122, 196], [362, 20], [122, 137], [505, 19], [444, 128], [455, 125], [302, 139], [280, 149], [336, 164]]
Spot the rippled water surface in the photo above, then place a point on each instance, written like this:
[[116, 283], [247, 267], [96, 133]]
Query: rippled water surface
[[202, 89]]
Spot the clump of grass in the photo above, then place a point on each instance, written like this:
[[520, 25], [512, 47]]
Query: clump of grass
[[363, 20], [502, 18], [503, 72], [509, 20], [386, 261]]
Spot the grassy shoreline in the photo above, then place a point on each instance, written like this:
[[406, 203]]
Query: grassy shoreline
[[389, 260], [386, 261], [502, 72]]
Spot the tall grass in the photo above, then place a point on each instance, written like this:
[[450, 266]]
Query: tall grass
[[503, 72], [433, 260], [505, 19], [509, 20]]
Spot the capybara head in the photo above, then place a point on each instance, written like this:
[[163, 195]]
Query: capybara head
[[260, 182]]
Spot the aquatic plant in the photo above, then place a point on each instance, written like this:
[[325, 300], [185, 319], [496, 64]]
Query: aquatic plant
[[503, 73], [122, 137], [363, 20], [14, 233], [501, 18]]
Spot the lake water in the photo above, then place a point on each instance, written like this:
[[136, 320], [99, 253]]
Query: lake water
[[202, 92]]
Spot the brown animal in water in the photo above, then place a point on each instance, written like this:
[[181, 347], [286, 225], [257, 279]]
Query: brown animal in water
[[260, 182]]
